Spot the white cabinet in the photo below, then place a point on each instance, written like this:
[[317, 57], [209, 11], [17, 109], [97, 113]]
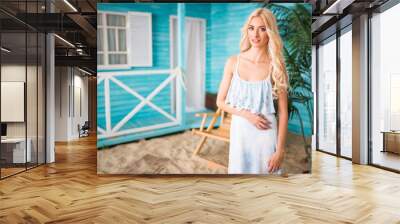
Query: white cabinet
[[18, 149]]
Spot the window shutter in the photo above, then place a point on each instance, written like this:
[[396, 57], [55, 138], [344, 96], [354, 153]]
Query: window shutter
[[140, 39]]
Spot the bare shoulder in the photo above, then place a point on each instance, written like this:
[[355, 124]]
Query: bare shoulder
[[232, 59], [230, 62]]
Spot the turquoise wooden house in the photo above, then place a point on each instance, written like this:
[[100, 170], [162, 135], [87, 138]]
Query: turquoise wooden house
[[156, 63]]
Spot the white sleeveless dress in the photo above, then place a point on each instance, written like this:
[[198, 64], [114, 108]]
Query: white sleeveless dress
[[251, 148]]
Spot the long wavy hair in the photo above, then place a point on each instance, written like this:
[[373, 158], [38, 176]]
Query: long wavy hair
[[274, 48]]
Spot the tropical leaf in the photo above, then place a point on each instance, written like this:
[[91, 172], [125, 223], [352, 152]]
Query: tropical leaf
[[294, 22]]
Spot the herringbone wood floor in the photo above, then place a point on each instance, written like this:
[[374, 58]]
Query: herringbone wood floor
[[69, 191]]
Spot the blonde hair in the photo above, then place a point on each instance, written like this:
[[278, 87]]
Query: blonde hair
[[274, 48]]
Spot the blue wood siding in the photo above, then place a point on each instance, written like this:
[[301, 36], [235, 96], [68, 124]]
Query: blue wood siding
[[101, 114], [122, 102], [223, 36]]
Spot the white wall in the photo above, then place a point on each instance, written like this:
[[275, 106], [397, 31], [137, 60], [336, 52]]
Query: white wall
[[61, 103], [80, 93], [33, 127], [14, 73], [69, 82], [17, 73]]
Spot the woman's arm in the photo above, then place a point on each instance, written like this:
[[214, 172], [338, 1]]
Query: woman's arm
[[276, 159], [258, 121], [283, 120]]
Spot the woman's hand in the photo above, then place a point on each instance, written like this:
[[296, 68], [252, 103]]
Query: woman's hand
[[275, 161], [258, 120]]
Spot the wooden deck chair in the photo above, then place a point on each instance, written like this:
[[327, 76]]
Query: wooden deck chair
[[220, 133]]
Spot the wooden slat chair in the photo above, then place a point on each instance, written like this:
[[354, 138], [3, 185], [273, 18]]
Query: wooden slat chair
[[219, 133]]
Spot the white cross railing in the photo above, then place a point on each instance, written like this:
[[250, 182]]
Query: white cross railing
[[107, 77]]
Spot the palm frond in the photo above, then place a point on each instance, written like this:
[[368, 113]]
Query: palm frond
[[294, 22]]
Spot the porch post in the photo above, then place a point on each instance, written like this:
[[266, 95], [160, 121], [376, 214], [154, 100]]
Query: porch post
[[181, 61]]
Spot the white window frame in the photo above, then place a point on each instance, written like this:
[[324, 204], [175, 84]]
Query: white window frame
[[129, 45], [105, 51], [100, 27]]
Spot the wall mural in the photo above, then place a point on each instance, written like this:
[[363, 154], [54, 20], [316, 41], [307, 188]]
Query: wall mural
[[155, 69]]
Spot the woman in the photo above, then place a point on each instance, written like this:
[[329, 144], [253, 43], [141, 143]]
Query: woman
[[250, 82]]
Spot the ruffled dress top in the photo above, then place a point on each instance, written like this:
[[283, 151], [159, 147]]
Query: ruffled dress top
[[255, 96], [250, 148]]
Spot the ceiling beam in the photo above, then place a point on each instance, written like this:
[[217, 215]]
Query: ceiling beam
[[86, 27], [337, 6], [83, 61]]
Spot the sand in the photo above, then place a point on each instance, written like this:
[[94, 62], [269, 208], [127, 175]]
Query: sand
[[173, 155]]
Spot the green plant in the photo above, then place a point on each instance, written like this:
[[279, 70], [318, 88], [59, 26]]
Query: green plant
[[294, 22]]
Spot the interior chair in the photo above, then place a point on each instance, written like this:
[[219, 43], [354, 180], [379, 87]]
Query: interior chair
[[84, 130]]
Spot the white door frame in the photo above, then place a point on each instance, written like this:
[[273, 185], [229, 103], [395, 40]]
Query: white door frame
[[171, 51]]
